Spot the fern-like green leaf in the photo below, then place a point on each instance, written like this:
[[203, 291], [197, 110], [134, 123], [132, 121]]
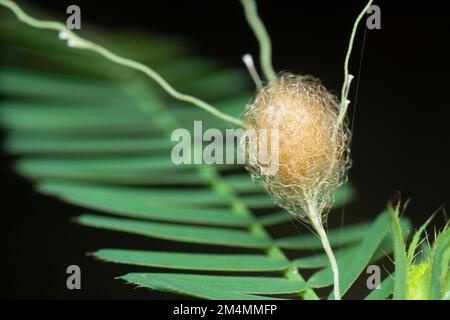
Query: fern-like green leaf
[[98, 136]]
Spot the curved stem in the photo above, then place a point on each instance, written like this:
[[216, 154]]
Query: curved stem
[[265, 45], [345, 90], [345, 85], [81, 43], [316, 222]]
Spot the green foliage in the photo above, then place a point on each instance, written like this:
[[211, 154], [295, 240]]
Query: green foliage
[[97, 136], [216, 287], [440, 275], [399, 255], [374, 246], [194, 261], [419, 279], [386, 289]]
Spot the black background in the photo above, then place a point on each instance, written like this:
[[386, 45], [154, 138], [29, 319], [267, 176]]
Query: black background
[[401, 137]]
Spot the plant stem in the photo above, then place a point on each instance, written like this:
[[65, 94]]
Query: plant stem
[[317, 224], [346, 84], [265, 45]]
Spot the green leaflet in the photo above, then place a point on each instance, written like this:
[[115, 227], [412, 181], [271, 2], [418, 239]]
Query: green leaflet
[[101, 169], [243, 183], [215, 287], [113, 168], [343, 236], [176, 197], [194, 261], [30, 144], [440, 276], [189, 206], [208, 216], [187, 69], [401, 262], [321, 260], [185, 178], [415, 241], [217, 85], [35, 83], [428, 278], [258, 201], [275, 218], [173, 232], [71, 119]]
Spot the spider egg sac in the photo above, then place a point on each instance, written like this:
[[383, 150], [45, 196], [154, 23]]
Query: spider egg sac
[[312, 157]]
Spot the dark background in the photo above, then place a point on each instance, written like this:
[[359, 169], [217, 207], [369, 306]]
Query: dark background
[[401, 138]]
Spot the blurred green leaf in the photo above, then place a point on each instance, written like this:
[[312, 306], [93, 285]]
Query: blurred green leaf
[[189, 206], [194, 261], [400, 259], [173, 232], [338, 237], [440, 276], [215, 287]]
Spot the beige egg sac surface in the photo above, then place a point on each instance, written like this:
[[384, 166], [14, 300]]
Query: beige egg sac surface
[[312, 158]]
